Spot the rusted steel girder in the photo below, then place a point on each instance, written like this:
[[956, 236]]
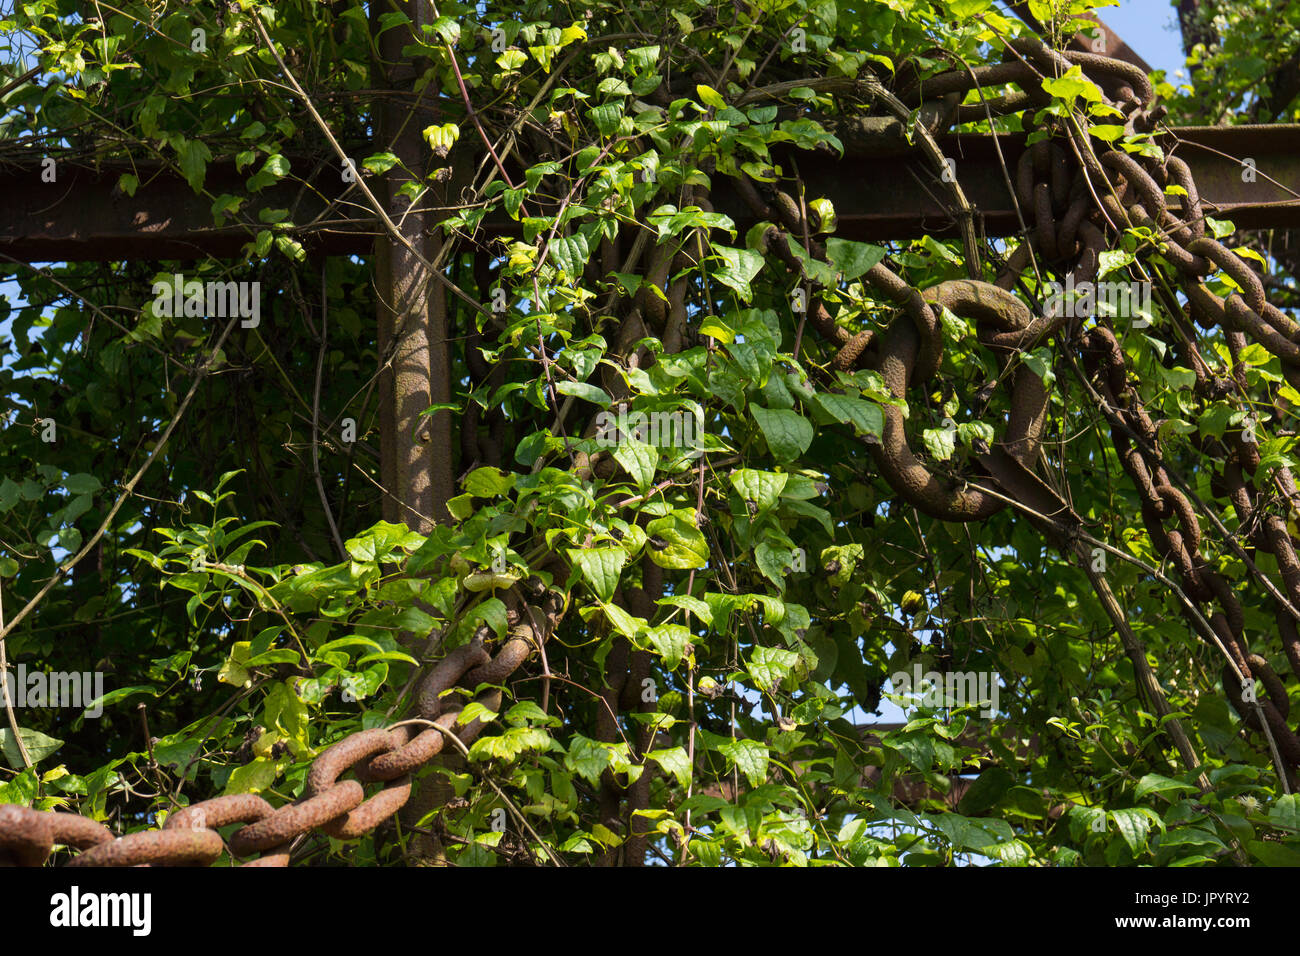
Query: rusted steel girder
[[880, 192]]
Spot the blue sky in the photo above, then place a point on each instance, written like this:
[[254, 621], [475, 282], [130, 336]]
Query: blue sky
[[1151, 28]]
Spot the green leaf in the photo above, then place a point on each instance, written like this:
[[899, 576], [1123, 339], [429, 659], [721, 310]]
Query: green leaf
[[570, 254], [1133, 824], [971, 834], [867, 417], [768, 666], [590, 393], [607, 118], [1285, 813], [489, 482], [1154, 783], [278, 655], [670, 641], [600, 568], [709, 96], [352, 640], [852, 259], [253, 777], [1112, 260], [787, 432], [693, 604], [773, 561], [674, 761], [38, 745], [674, 542], [940, 442], [587, 758], [627, 625], [761, 487], [193, 156], [1107, 132], [1221, 228], [1273, 854], [739, 267], [379, 541], [750, 756], [715, 328], [1072, 84], [475, 711], [988, 788], [639, 459], [82, 484]]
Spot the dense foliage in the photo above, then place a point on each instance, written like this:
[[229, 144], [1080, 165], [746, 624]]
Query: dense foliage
[[748, 558]]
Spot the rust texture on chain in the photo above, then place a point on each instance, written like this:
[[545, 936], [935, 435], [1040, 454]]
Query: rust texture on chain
[[1070, 200], [337, 807]]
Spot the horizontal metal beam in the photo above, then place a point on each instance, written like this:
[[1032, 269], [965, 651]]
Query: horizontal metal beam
[[84, 214], [879, 193], [901, 197]]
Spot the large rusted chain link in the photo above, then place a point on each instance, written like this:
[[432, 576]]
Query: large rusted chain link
[[993, 309], [911, 354], [1065, 228], [333, 806], [1194, 255], [27, 836], [1058, 209]]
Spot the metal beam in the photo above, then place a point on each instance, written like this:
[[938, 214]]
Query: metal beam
[[84, 214], [879, 193]]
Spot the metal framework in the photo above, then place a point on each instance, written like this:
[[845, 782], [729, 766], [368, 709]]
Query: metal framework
[[84, 216]]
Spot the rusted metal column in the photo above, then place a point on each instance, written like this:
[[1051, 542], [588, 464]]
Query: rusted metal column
[[415, 449]]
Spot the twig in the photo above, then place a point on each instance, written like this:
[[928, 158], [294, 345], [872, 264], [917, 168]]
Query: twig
[[4, 691], [523, 822], [315, 414]]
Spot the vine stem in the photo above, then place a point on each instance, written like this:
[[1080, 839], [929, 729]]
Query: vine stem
[[315, 415], [522, 820], [4, 690]]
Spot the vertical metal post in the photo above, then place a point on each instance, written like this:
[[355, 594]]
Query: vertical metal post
[[415, 449]]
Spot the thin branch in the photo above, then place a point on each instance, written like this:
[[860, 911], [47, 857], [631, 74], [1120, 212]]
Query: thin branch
[[315, 413]]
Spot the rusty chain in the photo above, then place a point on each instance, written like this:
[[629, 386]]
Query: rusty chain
[[339, 808], [1070, 200]]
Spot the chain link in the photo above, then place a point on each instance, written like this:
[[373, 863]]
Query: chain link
[[1069, 213], [1067, 217], [338, 808]]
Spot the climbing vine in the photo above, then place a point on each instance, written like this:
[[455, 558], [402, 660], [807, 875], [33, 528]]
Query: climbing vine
[[679, 492]]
